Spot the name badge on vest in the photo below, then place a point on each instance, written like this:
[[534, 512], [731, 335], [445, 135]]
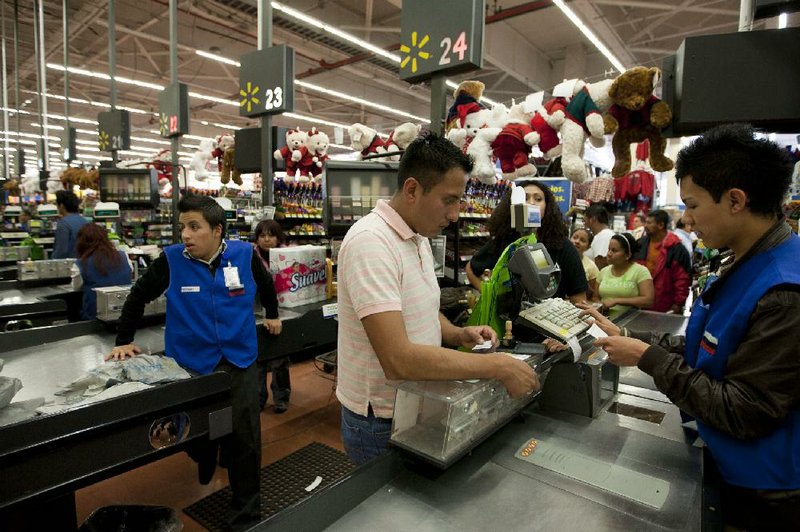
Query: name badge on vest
[[189, 289], [232, 282]]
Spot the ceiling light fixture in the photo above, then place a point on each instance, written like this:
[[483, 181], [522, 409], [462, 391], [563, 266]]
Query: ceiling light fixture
[[215, 57], [589, 34]]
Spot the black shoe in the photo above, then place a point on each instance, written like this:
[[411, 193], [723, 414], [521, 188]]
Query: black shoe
[[280, 408]]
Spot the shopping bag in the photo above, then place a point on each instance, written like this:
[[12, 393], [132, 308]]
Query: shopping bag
[[486, 311]]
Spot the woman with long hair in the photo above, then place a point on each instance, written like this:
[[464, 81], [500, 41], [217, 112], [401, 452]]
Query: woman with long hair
[[624, 283], [269, 235], [552, 233], [582, 239], [99, 264]]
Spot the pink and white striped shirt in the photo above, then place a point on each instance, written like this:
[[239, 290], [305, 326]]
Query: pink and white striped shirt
[[383, 266]]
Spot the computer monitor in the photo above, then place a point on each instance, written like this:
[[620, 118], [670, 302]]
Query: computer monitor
[[352, 188], [537, 272]]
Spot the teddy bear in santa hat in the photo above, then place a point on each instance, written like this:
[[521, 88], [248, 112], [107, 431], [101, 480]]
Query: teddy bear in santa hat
[[365, 140], [317, 145]]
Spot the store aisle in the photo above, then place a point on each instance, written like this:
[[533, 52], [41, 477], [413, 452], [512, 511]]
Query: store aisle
[[313, 415]]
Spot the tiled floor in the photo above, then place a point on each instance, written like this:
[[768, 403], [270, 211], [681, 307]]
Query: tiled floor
[[313, 415]]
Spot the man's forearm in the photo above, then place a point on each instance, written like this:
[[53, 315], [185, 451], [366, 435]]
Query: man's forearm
[[450, 333]]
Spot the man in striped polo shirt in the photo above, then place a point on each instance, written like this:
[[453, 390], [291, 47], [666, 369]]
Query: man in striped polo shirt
[[390, 327]]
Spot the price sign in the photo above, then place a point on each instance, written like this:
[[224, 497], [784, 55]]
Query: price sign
[[445, 36], [173, 110], [113, 130], [562, 192], [266, 82]]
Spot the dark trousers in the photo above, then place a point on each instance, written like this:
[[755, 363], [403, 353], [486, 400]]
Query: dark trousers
[[768, 510], [364, 438], [242, 448], [281, 385]]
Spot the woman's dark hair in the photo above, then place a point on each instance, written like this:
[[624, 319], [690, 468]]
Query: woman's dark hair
[[589, 234], [68, 199], [93, 242], [552, 233], [212, 212], [729, 156], [628, 243], [428, 158], [271, 228]]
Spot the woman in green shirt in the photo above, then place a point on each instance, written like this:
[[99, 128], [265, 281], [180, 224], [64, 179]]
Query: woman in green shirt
[[624, 284]]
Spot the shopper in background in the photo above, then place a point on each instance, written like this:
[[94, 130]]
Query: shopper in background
[[269, 235], [582, 240], [24, 220], [624, 284], [211, 285], [638, 225], [687, 236], [390, 327], [552, 233], [595, 218], [669, 264], [68, 225], [99, 264], [736, 370]]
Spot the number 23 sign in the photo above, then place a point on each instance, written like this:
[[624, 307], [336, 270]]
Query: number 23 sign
[[456, 26]]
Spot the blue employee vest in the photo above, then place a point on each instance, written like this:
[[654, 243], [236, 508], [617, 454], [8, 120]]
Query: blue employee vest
[[714, 332], [121, 275], [205, 320]]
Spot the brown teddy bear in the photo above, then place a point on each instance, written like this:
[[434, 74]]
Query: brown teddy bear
[[467, 100], [637, 115]]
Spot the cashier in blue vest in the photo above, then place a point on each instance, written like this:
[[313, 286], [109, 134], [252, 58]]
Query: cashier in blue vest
[[211, 285], [736, 370]]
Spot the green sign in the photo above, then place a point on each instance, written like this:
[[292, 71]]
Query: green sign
[[113, 130], [441, 36], [266, 82], [173, 110]]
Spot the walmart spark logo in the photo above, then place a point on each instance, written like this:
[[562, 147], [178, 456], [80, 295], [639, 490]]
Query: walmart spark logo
[[249, 97], [407, 50], [163, 124], [103, 142]]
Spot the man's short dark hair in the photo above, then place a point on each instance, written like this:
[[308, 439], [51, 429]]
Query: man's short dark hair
[[212, 212], [679, 223], [69, 200], [428, 158], [729, 156], [598, 212], [660, 216]]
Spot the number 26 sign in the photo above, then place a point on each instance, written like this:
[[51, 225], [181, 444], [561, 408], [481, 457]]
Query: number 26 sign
[[456, 26]]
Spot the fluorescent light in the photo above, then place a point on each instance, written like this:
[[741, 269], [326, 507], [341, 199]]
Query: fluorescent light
[[318, 24], [589, 35], [783, 20], [100, 75], [216, 57], [360, 101], [214, 99]]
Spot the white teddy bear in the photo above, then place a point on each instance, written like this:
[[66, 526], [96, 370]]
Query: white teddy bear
[[365, 140], [202, 159], [400, 138], [317, 145], [294, 152]]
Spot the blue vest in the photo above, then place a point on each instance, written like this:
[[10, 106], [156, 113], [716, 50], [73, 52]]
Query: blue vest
[[715, 331], [205, 320], [121, 275]]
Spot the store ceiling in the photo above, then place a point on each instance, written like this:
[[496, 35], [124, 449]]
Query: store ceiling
[[529, 45]]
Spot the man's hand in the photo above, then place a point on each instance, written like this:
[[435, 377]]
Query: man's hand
[[517, 376], [622, 351], [469, 337], [273, 326], [605, 324], [121, 352], [677, 309], [552, 345]]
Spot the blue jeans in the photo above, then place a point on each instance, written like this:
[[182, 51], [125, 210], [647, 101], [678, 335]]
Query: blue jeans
[[364, 438]]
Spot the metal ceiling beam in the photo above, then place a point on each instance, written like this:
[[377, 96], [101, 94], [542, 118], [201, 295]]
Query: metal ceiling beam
[[668, 6], [687, 33], [651, 50], [660, 19]]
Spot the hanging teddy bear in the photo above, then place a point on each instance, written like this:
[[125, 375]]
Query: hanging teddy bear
[[317, 146], [202, 158], [294, 151], [162, 162], [546, 121], [637, 115], [467, 101], [511, 144], [400, 138], [365, 140]]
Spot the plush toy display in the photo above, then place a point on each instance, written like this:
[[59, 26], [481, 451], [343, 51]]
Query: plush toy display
[[546, 122], [462, 135], [294, 152], [162, 162], [317, 145], [202, 158], [228, 171], [400, 138], [85, 179], [30, 181], [365, 140], [511, 144], [584, 118], [637, 115], [467, 101]]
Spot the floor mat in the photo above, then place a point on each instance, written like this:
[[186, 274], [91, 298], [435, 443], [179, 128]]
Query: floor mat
[[283, 484]]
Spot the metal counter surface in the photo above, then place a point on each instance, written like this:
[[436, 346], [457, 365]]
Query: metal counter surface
[[494, 490], [26, 296], [43, 368]]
